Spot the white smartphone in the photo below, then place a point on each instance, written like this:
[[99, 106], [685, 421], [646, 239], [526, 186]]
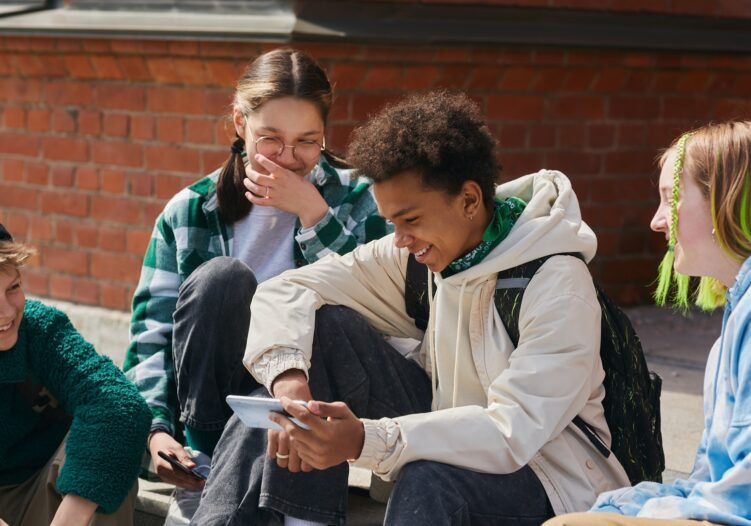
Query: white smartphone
[[254, 411]]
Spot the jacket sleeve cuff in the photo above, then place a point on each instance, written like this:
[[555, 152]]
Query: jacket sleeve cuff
[[275, 361], [316, 241], [382, 444]]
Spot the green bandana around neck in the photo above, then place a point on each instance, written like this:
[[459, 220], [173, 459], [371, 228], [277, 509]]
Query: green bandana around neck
[[505, 214]]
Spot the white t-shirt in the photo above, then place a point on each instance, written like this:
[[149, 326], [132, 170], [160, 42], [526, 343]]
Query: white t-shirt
[[263, 240]]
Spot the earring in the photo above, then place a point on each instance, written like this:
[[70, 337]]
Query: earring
[[714, 239]]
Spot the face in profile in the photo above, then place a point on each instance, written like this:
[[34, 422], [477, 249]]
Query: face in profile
[[12, 301], [431, 223], [287, 130], [694, 243]]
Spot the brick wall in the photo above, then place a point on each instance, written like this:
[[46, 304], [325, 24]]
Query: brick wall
[[96, 135]]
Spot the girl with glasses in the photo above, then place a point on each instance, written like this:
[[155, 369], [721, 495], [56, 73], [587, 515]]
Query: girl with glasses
[[280, 201]]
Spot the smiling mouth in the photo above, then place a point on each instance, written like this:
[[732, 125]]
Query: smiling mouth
[[422, 252], [4, 328]]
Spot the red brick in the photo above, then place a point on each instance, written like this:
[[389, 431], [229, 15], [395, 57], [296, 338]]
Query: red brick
[[191, 71], [347, 76], [137, 240], [319, 50], [38, 120], [610, 80], [640, 81], [65, 203], [116, 209], [156, 47], [454, 76], [69, 261], [64, 121], [163, 71], [114, 296], [574, 163], [419, 77], [112, 239], [390, 53], [36, 282], [115, 266], [201, 131], [580, 80], [86, 235], [696, 81], [550, 80], [107, 67], [175, 100], [112, 181], [79, 66], [572, 136], [213, 159], [87, 178], [224, 72], [19, 144], [115, 124], [635, 59], [14, 171], [134, 68], [733, 109], [117, 153], [601, 135], [631, 135], [217, 102], [165, 186], [64, 232], [66, 92], [516, 107], [62, 176], [521, 162], [96, 45], [37, 173], [382, 77], [629, 162], [120, 97], [184, 47], [89, 122], [21, 90], [41, 229], [340, 110], [171, 129], [455, 54], [30, 65], [151, 211], [62, 149], [140, 184], [685, 107], [542, 136], [510, 136], [171, 159], [578, 107], [86, 291], [61, 287], [364, 106], [14, 117], [16, 223], [645, 108], [142, 127]]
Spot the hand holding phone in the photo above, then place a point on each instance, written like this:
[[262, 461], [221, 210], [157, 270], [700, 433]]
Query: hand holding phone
[[176, 464], [254, 411]]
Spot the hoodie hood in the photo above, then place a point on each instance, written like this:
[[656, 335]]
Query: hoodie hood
[[550, 224]]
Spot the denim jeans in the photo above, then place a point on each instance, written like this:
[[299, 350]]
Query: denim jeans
[[209, 335], [351, 362]]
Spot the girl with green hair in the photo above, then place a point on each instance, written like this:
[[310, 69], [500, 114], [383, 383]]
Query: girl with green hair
[[705, 189]]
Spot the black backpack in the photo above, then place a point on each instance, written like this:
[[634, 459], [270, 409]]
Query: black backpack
[[632, 391]]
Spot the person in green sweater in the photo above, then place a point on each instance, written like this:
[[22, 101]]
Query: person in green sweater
[[72, 427]]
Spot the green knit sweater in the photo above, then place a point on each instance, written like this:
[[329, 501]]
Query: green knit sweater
[[108, 420]]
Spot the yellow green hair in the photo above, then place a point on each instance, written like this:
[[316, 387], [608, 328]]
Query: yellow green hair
[[666, 277]]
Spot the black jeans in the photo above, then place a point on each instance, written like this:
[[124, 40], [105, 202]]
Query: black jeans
[[351, 362], [209, 335]]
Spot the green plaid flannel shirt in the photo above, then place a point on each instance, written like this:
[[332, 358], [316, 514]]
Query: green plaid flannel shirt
[[189, 232]]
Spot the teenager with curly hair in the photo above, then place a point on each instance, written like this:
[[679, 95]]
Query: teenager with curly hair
[[472, 428], [705, 216]]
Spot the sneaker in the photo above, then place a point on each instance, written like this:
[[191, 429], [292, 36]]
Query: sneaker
[[184, 502]]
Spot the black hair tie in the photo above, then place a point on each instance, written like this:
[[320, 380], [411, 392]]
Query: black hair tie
[[236, 149]]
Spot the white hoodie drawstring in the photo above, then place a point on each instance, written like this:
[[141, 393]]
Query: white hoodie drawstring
[[456, 343], [431, 337]]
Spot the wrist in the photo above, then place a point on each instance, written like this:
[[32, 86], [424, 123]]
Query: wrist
[[314, 212]]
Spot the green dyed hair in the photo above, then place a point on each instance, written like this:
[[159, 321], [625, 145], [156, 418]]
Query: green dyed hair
[[719, 160]]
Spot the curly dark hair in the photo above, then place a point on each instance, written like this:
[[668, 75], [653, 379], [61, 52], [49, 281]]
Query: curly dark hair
[[440, 135]]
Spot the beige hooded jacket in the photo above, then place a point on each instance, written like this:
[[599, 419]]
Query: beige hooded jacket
[[496, 408]]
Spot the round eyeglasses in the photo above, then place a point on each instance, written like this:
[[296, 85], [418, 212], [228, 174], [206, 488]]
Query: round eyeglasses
[[305, 150]]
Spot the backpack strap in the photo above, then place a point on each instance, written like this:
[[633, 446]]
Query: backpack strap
[[416, 293], [509, 291]]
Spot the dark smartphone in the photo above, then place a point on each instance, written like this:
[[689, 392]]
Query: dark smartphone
[[182, 467]]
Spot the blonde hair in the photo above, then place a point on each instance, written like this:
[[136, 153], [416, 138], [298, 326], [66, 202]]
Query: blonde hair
[[718, 158], [14, 255]]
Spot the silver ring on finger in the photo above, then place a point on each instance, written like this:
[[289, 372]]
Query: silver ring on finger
[[267, 191], [281, 456]]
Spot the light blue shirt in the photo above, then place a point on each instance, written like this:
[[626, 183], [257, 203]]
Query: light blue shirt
[[719, 486]]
